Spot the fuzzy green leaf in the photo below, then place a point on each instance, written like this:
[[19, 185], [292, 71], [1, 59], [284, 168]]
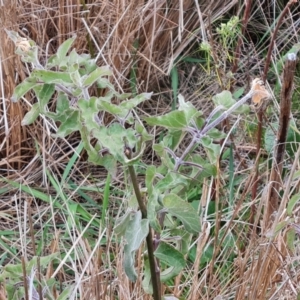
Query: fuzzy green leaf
[[110, 107], [66, 293], [188, 108], [45, 94], [64, 48], [95, 75], [52, 76], [32, 115], [76, 78], [171, 257], [292, 202], [183, 211], [226, 100], [70, 125], [62, 103], [135, 229], [115, 138], [23, 88], [173, 120], [135, 101]]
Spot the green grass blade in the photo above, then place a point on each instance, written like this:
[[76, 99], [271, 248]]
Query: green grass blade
[[105, 198], [174, 83], [72, 161]]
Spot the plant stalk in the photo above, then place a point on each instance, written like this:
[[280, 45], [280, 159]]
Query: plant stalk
[[154, 269]]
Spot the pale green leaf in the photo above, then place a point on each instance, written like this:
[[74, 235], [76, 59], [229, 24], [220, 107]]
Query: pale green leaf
[[111, 108], [65, 295], [171, 257], [76, 78], [152, 208], [52, 76], [64, 48], [23, 88], [290, 239], [45, 95], [188, 108], [32, 115], [173, 120], [183, 211], [62, 103], [135, 101], [70, 125], [95, 75], [292, 202], [136, 232], [224, 99]]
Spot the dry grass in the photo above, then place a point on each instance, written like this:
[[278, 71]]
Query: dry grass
[[262, 267]]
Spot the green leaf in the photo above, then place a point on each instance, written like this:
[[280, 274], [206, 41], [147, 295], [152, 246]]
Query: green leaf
[[135, 101], [32, 115], [226, 100], [71, 124], [66, 293], [45, 94], [212, 150], [171, 181], [171, 257], [76, 78], [62, 103], [35, 193], [60, 58], [95, 75], [178, 119], [23, 88], [173, 120], [114, 138], [147, 284], [164, 155], [292, 202], [216, 134], [111, 108], [183, 211], [150, 176], [238, 93], [188, 108], [293, 138], [290, 239], [79, 211], [279, 226], [122, 223], [88, 112], [64, 48], [52, 76], [270, 137], [152, 208], [136, 231]]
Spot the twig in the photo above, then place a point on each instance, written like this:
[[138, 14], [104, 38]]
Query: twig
[[284, 118]]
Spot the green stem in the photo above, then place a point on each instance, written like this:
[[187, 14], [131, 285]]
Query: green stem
[[154, 269]]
